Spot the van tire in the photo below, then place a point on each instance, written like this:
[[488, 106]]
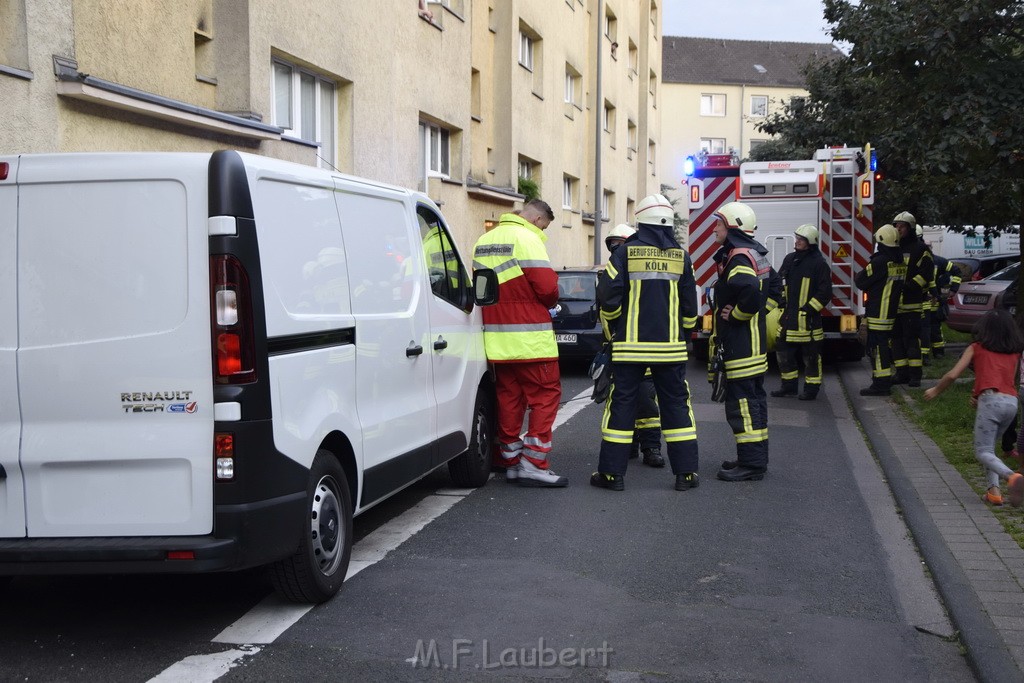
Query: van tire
[[317, 569], [472, 469]]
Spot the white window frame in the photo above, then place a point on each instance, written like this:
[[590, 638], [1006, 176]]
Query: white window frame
[[713, 145], [605, 202], [571, 80], [435, 150], [292, 126], [631, 135], [525, 169], [611, 26], [525, 50], [608, 118], [708, 102], [763, 99], [567, 183]]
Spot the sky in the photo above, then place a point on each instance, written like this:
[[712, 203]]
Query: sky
[[779, 20]]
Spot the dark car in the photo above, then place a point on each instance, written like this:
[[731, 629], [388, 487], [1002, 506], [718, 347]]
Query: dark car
[[977, 298], [973, 268], [576, 320]]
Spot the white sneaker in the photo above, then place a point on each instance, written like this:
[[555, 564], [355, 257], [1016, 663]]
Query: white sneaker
[[531, 475], [512, 474]]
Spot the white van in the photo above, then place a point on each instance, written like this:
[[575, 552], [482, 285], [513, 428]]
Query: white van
[[213, 361]]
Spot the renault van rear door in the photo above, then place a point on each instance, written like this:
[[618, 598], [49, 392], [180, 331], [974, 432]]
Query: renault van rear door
[[12, 501], [114, 359]]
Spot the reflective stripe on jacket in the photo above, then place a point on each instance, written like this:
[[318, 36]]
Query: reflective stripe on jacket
[[808, 290], [920, 269], [518, 327], [743, 282], [882, 281]]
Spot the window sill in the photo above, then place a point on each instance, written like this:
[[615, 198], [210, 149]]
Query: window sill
[[432, 23], [17, 73], [206, 79], [476, 118], [528, 68], [538, 95], [300, 141], [451, 181]]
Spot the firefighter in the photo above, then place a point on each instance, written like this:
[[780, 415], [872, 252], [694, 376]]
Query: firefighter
[[747, 286], [906, 335], [947, 282], [520, 343], [882, 282], [649, 303], [929, 305], [808, 281], [647, 427]]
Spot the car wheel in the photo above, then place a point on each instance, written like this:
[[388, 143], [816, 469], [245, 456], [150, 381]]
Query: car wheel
[[472, 468], [317, 569]]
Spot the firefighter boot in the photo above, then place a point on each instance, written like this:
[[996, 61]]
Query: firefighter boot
[[810, 392], [653, 457], [687, 480], [789, 388], [901, 376], [634, 448], [612, 482], [879, 387], [914, 377]]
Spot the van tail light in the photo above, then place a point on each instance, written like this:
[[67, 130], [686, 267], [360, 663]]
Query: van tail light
[[234, 355], [224, 455]]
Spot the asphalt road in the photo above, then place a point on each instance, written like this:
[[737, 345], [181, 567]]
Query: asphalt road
[[790, 578]]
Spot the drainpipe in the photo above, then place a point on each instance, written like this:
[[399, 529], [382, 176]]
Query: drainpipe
[[598, 116]]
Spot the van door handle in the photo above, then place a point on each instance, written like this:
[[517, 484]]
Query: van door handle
[[441, 344], [413, 349]]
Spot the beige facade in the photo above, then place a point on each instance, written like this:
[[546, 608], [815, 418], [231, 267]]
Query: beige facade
[[457, 105]]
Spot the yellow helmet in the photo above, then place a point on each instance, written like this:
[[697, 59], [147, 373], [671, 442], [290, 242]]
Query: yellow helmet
[[738, 216], [888, 236], [808, 232], [655, 209]]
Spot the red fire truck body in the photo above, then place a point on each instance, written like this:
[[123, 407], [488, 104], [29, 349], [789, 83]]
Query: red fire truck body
[[834, 192]]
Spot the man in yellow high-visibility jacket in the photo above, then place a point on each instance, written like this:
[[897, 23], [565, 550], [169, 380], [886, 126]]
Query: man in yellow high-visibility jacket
[[520, 342]]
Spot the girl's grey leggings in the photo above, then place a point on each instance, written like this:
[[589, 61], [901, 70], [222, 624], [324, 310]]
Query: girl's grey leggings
[[995, 413]]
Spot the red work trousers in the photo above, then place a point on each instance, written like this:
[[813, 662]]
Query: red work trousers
[[534, 385]]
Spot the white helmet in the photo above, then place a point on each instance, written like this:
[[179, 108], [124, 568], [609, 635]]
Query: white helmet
[[888, 236], [808, 232], [621, 232], [738, 216], [655, 209], [919, 230], [905, 217]]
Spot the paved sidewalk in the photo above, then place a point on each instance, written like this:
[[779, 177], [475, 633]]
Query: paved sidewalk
[[978, 568]]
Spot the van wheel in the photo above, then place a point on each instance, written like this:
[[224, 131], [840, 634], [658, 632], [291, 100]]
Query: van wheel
[[317, 569], [473, 468]]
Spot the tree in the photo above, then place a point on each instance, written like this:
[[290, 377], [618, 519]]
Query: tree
[[936, 87]]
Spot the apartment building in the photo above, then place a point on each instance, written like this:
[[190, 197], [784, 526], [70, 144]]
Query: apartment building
[[458, 98], [716, 91]]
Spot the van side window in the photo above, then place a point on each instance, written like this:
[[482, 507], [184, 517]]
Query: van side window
[[443, 266]]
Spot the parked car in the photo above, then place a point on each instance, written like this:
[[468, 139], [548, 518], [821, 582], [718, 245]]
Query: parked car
[[576, 320], [976, 298], [974, 268]]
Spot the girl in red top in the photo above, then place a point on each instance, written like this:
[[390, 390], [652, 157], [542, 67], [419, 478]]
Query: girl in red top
[[995, 353]]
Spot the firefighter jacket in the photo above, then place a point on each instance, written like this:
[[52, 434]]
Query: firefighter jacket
[[882, 282], [947, 276], [920, 268], [649, 298], [517, 329], [748, 283], [808, 281]]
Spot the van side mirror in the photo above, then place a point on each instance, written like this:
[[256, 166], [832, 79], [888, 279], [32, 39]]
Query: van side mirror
[[485, 287]]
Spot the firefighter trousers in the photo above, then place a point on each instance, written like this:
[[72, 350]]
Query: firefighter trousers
[[518, 386], [927, 316], [906, 343], [647, 426], [746, 411], [879, 350], [789, 353], [677, 423]]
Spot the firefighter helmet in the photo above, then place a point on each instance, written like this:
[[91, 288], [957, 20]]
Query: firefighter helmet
[[808, 232], [888, 236], [618, 234], [920, 231], [655, 209], [738, 216], [905, 217]]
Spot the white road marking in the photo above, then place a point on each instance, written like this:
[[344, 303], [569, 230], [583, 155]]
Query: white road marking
[[265, 622]]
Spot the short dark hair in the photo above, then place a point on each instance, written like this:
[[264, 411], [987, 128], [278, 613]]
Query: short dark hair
[[998, 332], [542, 207]]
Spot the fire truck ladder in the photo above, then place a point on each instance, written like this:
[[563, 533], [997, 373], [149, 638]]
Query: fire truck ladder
[[843, 267]]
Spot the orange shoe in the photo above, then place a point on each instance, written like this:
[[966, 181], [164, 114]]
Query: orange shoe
[[993, 496], [1016, 485]]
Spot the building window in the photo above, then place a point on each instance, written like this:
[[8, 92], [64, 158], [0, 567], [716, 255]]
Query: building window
[[652, 88], [525, 168], [435, 149], [650, 156], [631, 139], [712, 145], [606, 205], [611, 26], [634, 58], [712, 105], [568, 191], [797, 103], [525, 50], [754, 144], [305, 106], [654, 13], [759, 105], [573, 79]]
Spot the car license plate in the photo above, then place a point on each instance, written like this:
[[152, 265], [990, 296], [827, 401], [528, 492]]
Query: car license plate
[[975, 299], [565, 338]]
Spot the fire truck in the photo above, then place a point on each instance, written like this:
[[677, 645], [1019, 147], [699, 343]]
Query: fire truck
[[834, 191]]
